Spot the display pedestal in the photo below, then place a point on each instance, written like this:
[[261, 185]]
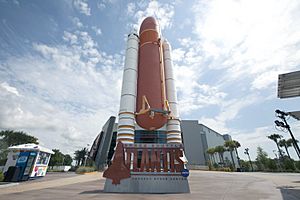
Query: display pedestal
[[156, 184], [147, 168]]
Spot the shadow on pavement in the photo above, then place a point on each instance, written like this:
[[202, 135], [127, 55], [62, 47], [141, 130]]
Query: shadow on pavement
[[289, 193], [296, 181], [92, 192]]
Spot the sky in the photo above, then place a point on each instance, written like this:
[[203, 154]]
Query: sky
[[61, 65]]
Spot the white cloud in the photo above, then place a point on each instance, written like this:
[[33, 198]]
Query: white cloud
[[229, 111], [62, 94], [163, 12], [72, 38], [193, 95], [240, 46], [76, 21], [178, 55], [82, 6], [130, 8], [249, 38], [101, 6], [16, 2], [6, 88], [97, 30]]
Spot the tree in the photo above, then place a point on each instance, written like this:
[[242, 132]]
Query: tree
[[283, 143], [275, 138], [271, 164], [67, 159], [80, 156], [57, 158], [10, 138], [289, 165], [262, 159], [230, 145], [220, 149], [211, 152], [248, 154], [245, 165], [237, 145]]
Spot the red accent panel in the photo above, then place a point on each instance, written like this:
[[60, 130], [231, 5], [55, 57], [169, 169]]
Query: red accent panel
[[118, 169]]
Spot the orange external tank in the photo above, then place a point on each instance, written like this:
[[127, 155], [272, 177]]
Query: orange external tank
[[151, 104]]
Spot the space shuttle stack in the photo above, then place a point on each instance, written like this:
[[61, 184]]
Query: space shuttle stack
[[173, 124], [126, 123], [148, 95], [148, 101]]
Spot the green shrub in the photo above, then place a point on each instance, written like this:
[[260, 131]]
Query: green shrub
[[271, 165], [210, 166], [226, 169], [297, 164], [215, 165], [289, 165], [223, 169], [1, 176], [245, 165], [82, 170]]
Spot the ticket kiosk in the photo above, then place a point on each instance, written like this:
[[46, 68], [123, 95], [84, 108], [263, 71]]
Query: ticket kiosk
[[28, 160]]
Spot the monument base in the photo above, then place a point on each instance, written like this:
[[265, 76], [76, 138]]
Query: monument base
[[158, 184]]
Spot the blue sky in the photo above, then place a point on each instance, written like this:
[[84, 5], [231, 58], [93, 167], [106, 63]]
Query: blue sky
[[61, 65]]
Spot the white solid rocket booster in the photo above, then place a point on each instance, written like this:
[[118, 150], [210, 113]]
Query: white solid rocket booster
[[128, 95], [173, 124]]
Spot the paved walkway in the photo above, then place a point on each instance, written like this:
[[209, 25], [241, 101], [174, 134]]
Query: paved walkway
[[204, 185], [38, 185]]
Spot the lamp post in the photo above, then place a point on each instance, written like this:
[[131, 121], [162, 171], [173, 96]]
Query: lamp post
[[247, 152], [284, 124]]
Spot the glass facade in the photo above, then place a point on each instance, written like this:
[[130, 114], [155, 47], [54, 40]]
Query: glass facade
[[155, 136], [112, 147]]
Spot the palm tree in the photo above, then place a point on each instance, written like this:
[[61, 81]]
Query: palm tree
[[283, 143], [220, 149], [237, 145], [275, 138], [211, 152], [230, 145], [80, 156]]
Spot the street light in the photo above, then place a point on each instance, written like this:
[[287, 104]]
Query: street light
[[247, 152], [285, 125]]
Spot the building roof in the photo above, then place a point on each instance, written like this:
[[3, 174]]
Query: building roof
[[295, 114], [289, 85], [33, 147]]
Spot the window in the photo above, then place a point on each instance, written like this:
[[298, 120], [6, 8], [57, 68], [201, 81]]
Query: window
[[42, 158], [144, 136]]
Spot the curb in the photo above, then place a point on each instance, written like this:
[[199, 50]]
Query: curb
[[8, 185]]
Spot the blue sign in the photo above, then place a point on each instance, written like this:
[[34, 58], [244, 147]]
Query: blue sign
[[185, 173], [22, 159]]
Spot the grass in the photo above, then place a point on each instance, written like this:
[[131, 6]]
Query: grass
[[83, 170], [1, 176]]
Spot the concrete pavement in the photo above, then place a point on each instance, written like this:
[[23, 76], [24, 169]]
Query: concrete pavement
[[204, 185]]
